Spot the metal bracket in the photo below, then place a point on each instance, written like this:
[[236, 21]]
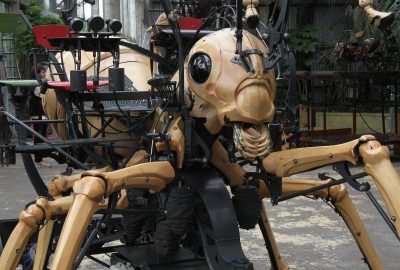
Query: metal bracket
[[274, 184], [343, 169]]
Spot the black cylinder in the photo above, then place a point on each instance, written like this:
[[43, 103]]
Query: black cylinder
[[247, 205], [78, 80], [116, 77]]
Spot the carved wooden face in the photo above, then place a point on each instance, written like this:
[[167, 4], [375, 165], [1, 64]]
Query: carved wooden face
[[228, 89]]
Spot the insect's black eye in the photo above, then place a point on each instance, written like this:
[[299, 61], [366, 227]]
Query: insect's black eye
[[200, 67]]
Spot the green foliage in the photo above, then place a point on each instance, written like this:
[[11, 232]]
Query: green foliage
[[303, 41], [388, 53], [26, 40], [360, 20]]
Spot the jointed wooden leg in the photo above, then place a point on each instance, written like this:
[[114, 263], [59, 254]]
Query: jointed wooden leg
[[378, 165], [43, 245], [90, 190], [63, 183], [273, 249], [345, 207], [29, 221], [27, 225]]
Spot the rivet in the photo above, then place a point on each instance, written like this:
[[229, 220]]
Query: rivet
[[393, 218], [295, 161], [358, 233], [18, 250], [175, 128], [330, 155]]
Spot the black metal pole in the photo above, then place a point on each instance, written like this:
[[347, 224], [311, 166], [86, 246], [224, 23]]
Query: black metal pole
[[239, 26], [181, 72], [22, 124], [382, 213]]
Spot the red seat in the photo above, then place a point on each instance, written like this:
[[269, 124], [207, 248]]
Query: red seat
[[187, 23], [66, 86], [44, 32]]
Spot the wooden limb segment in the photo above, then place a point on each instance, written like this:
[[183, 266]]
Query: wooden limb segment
[[91, 190], [378, 165], [43, 245], [289, 162], [345, 207], [272, 247], [63, 183], [29, 222]]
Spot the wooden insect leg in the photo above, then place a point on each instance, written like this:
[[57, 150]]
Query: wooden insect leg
[[345, 207], [347, 210], [273, 250], [378, 165], [42, 246], [91, 190], [377, 18], [64, 183], [29, 221]]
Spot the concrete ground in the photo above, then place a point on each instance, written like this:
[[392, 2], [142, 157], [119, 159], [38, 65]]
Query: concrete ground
[[309, 233]]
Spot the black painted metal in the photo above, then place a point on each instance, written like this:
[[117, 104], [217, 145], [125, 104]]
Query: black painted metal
[[33, 174], [350, 178], [155, 57], [108, 44], [223, 222], [60, 150], [78, 80], [107, 96], [343, 169], [272, 257], [383, 214], [116, 77]]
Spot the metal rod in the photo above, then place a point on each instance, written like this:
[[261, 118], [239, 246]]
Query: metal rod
[[130, 211], [395, 108], [98, 261], [267, 243], [103, 127], [239, 26], [382, 213], [41, 121], [85, 248], [181, 58], [28, 23], [327, 185], [61, 151]]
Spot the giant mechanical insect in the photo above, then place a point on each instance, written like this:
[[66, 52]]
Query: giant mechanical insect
[[168, 203]]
